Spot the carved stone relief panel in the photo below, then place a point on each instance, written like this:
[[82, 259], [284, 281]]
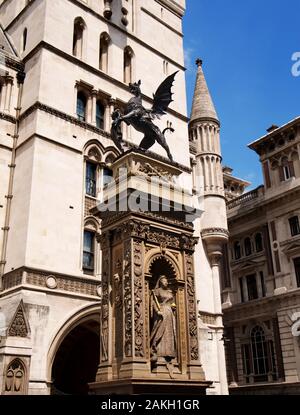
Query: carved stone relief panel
[[191, 307], [15, 378], [138, 299]]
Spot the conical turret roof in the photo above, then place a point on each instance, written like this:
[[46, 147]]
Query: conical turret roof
[[203, 107]]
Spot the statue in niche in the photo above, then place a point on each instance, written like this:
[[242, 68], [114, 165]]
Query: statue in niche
[[163, 322], [142, 119]]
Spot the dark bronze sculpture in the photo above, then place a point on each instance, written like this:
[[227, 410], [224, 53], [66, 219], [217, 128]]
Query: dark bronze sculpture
[[142, 119]]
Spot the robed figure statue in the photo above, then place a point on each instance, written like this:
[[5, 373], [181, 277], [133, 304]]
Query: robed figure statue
[[163, 319]]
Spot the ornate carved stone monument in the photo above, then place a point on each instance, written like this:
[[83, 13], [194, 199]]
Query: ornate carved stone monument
[[149, 336]]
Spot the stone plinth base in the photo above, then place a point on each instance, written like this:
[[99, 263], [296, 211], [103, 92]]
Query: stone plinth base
[[150, 387]]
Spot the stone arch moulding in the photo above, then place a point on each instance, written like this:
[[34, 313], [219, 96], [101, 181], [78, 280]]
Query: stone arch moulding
[[156, 254], [92, 311]]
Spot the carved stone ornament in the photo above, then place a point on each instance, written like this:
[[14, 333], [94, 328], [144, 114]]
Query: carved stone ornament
[[19, 326], [193, 329], [138, 301], [146, 170], [127, 301], [15, 378]]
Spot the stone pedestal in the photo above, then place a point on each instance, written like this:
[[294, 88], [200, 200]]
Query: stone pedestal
[[138, 246]]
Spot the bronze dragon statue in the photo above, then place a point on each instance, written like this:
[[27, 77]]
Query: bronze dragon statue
[[142, 119]]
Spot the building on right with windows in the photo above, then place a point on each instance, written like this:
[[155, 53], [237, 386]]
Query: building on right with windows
[[261, 278]]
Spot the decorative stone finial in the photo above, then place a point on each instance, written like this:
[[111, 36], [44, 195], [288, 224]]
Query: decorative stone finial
[[199, 62]]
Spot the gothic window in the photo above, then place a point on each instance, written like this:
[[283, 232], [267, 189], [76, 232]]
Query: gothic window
[[100, 111], [91, 179], [15, 378], [248, 246], [128, 65], [259, 361], [103, 52], [237, 250], [24, 39], [252, 287], [88, 251], [78, 33], [81, 106], [294, 225], [297, 270], [259, 242]]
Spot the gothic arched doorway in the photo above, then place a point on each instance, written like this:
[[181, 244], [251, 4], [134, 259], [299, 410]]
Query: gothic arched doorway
[[76, 360]]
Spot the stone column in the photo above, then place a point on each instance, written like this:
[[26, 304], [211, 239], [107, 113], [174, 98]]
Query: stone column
[[7, 101], [93, 107], [107, 118], [112, 104]]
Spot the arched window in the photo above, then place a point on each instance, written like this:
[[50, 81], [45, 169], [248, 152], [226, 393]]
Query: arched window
[[128, 61], [259, 357], [100, 111], [248, 246], [237, 250], [79, 28], [259, 242], [103, 52], [24, 39], [81, 106], [262, 354]]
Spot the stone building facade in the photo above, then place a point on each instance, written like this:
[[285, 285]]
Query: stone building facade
[[261, 278], [65, 66]]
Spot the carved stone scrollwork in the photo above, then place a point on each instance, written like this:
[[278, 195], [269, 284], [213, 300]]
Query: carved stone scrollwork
[[193, 331], [138, 301], [127, 301], [15, 378], [188, 242], [105, 308], [163, 239], [136, 229]]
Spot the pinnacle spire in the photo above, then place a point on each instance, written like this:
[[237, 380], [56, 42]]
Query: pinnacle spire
[[203, 107]]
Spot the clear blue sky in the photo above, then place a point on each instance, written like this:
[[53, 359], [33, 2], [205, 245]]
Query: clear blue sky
[[247, 48]]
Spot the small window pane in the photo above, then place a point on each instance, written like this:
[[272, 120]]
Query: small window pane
[[252, 287], [100, 115], [88, 250], [90, 180], [294, 226], [81, 106], [297, 270]]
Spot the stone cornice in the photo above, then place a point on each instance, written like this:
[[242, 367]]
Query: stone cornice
[[13, 63], [266, 305], [172, 6], [27, 277], [86, 66], [162, 22], [7, 117], [263, 205], [66, 117]]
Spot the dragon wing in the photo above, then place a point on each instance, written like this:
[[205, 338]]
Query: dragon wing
[[163, 97]]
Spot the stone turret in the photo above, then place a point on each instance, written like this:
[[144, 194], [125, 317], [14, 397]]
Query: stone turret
[[204, 132]]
